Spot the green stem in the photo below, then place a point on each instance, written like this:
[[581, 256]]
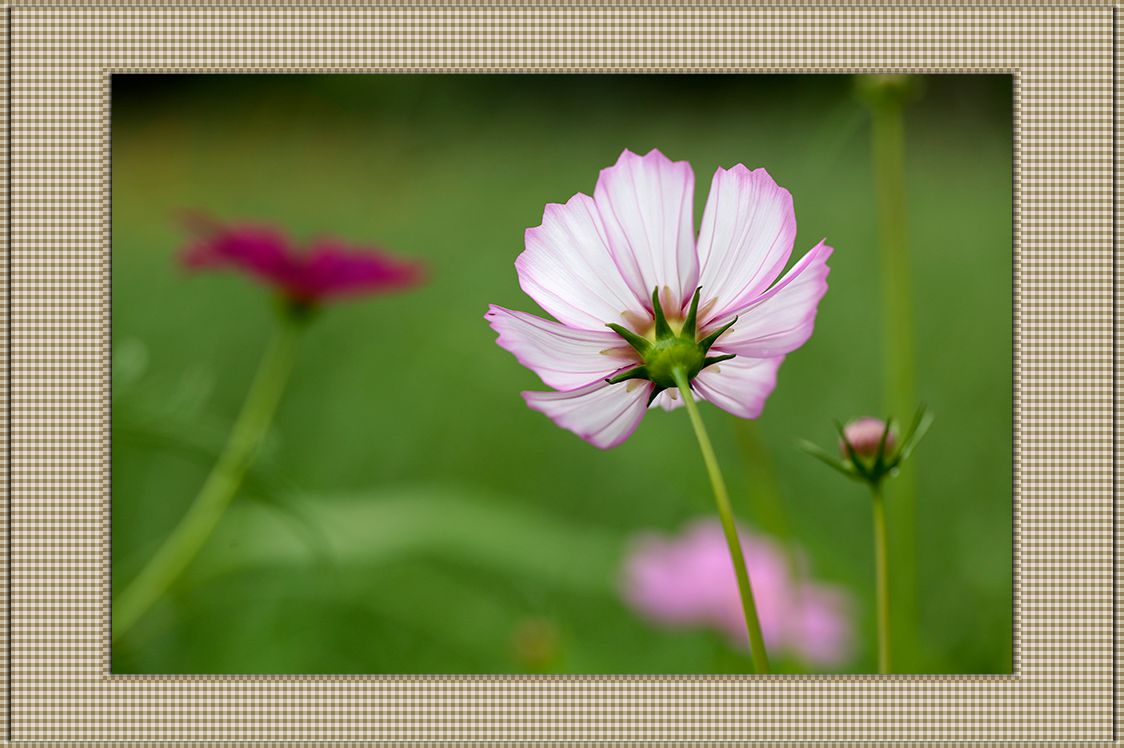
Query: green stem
[[899, 360], [219, 488], [882, 580], [726, 513]]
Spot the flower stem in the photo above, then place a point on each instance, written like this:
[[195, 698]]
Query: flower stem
[[882, 580], [220, 487], [899, 359], [726, 513]]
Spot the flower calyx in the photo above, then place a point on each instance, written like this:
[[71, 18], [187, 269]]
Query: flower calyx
[[669, 348]]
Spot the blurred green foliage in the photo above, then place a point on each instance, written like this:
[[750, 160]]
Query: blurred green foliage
[[409, 513]]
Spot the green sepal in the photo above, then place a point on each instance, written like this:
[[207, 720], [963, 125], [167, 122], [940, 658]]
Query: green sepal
[[639, 343], [921, 423], [639, 372], [663, 329], [880, 466], [710, 360], [835, 463], [708, 341], [690, 325], [860, 468]]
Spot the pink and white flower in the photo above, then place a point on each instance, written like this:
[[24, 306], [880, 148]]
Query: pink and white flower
[[687, 581], [637, 296]]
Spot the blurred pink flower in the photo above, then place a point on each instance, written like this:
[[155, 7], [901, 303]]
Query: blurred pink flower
[[630, 250], [688, 581], [865, 434], [327, 269]]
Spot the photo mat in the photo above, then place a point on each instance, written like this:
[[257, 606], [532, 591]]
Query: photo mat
[[1063, 430]]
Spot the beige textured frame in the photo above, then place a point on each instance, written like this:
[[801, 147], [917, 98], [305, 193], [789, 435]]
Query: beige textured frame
[[56, 97]]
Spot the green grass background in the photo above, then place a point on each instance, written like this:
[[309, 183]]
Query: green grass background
[[409, 513]]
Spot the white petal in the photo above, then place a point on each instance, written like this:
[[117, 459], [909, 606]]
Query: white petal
[[745, 239], [563, 357], [781, 320], [568, 270], [647, 204], [603, 414], [740, 385]]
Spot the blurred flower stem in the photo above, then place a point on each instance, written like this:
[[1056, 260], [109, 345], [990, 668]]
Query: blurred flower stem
[[886, 97], [729, 526], [765, 496], [221, 485], [882, 577]]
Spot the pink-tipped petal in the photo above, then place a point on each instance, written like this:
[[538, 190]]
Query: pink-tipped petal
[[603, 414], [563, 357], [647, 204], [781, 319], [746, 236], [568, 269], [740, 385]]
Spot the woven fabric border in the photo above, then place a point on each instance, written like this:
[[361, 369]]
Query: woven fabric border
[[61, 59]]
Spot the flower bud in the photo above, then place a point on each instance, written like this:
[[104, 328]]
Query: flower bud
[[864, 435]]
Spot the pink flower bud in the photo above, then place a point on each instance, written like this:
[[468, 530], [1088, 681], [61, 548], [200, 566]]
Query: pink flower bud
[[865, 434]]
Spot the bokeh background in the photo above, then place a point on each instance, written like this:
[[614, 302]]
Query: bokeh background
[[409, 514]]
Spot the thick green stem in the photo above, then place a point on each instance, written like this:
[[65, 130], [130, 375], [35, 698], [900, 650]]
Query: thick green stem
[[899, 358], [219, 488], [882, 580], [729, 526]]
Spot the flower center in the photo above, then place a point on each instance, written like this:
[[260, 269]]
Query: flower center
[[669, 349]]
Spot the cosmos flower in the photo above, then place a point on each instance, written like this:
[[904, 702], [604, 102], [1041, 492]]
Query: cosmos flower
[[637, 296], [327, 269], [688, 582]]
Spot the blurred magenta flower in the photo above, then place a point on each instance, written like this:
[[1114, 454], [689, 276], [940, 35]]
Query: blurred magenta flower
[[688, 581], [865, 437], [327, 269], [640, 299]]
